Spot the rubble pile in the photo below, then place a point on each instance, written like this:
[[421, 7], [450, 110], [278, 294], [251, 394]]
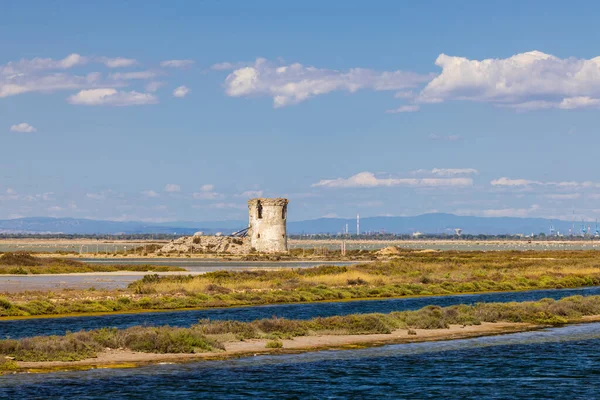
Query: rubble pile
[[207, 244]]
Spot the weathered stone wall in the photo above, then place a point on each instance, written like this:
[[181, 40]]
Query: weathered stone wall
[[268, 219]]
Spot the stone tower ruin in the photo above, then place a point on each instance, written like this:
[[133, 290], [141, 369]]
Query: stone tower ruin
[[267, 229]]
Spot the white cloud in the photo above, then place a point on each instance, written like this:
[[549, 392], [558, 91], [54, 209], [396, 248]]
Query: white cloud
[[26, 66], [11, 191], [513, 182], [125, 76], [172, 188], [150, 193], [23, 127], [207, 188], [404, 109], [449, 171], [118, 62], [294, 83], [176, 63], [368, 179], [526, 81], [181, 91], [44, 75], [111, 97]]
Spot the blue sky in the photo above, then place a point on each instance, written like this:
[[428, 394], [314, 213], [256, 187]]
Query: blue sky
[[147, 110]]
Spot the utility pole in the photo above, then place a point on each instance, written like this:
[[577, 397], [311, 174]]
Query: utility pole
[[357, 224]]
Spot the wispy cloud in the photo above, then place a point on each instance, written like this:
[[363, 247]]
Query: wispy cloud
[[125, 76], [111, 97], [368, 179], [207, 193], [447, 171], [176, 63], [504, 181], [404, 109], [118, 62]]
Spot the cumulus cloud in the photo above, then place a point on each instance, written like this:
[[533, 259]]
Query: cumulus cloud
[[368, 179], [294, 83], [172, 188], [176, 63], [23, 127], [181, 91], [118, 62], [404, 109], [111, 97], [525, 81]]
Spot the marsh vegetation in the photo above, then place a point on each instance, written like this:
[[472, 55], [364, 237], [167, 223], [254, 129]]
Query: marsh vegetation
[[409, 273], [26, 264]]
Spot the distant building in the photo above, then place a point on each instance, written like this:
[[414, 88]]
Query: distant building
[[267, 228]]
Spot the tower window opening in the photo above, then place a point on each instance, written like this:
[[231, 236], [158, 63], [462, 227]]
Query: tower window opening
[[258, 235], [259, 208], [284, 212]]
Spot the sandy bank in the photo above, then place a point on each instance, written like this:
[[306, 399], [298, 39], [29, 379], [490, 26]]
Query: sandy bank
[[112, 358]]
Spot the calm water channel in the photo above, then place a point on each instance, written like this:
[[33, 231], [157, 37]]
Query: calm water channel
[[58, 326], [557, 363]]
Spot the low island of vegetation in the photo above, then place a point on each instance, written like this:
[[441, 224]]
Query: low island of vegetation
[[224, 337]]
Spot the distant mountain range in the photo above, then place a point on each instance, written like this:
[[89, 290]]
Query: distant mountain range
[[427, 223]]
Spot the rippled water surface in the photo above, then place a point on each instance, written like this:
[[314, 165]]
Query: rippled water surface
[[58, 326], [558, 363]]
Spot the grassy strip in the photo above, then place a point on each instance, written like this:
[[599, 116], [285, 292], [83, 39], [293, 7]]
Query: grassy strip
[[409, 274], [212, 335], [25, 264]]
